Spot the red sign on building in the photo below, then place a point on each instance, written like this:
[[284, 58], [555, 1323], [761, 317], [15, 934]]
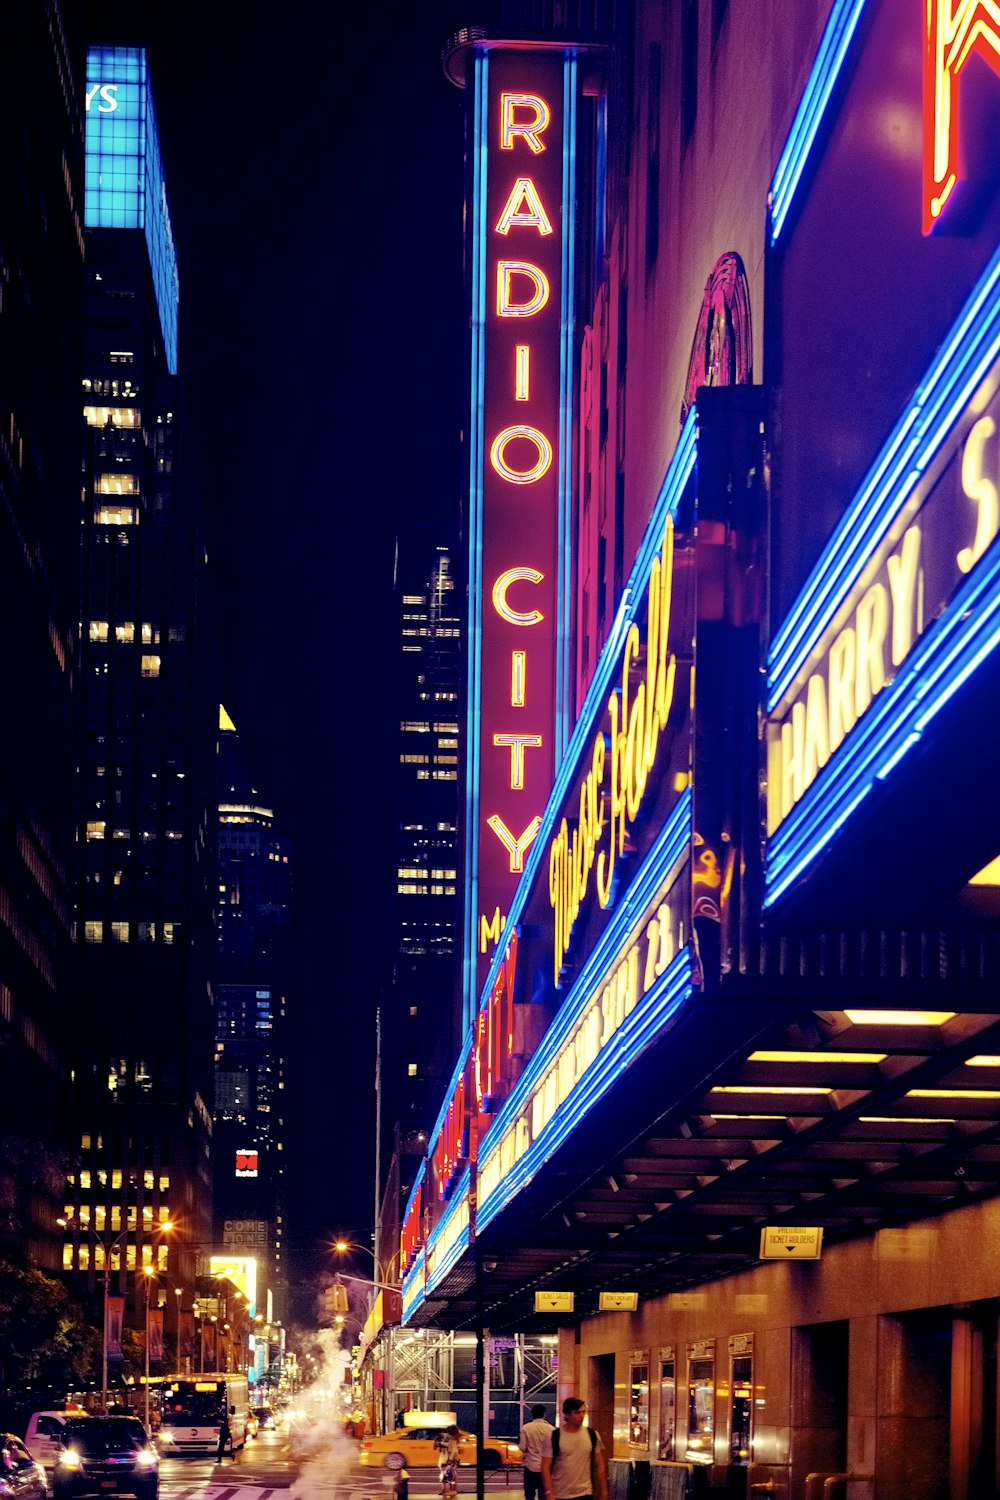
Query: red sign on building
[[518, 318]]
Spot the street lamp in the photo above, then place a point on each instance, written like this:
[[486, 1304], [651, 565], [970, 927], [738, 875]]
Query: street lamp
[[383, 1269], [108, 1248]]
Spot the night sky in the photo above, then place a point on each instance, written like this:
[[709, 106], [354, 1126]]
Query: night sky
[[314, 169]]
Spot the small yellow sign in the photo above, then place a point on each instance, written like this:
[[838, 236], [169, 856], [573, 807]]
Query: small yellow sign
[[618, 1301], [553, 1302], [779, 1242]]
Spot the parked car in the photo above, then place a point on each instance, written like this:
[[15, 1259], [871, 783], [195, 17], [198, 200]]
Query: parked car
[[21, 1478], [106, 1455], [418, 1448], [43, 1439]]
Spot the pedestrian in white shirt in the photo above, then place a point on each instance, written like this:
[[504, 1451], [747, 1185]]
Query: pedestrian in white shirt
[[575, 1468], [536, 1443]]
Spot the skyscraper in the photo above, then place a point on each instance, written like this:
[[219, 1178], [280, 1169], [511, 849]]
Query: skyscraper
[[41, 266], [143, 1071], [253, 963], [421, 1038]]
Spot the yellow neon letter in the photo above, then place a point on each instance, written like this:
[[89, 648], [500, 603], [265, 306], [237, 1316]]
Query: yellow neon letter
[[517, 659], [530, 130], [521, 476], [531, 216], [516, 847], [978, 488], [490, 929], [503, 609], [506, 271], [518, 743], [522, 367]]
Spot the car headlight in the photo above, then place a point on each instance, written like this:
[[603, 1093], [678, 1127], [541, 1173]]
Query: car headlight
[[145, 1459], [165, 1435], [69, 1458]]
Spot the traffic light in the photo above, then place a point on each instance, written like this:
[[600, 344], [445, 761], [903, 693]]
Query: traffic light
[[335, 1300]]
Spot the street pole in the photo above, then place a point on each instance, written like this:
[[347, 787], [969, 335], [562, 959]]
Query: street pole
[[148, 1276], [378, 1129], [104, 1340]]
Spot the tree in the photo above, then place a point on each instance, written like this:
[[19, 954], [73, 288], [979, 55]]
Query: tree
[[44, 1334]]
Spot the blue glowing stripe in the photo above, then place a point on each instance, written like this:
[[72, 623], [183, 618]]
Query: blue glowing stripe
[[679, 471], [840, 28], [943, 660], [412, 1300], [640, 1029], [461, 1188], [672, 845], [601, 188], [478, 380], [566, 385], [960, 364], [463, 1058], [462, 1241], [415, 1189]]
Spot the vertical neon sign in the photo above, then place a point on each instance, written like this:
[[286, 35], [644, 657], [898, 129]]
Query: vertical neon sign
[[521, 211]]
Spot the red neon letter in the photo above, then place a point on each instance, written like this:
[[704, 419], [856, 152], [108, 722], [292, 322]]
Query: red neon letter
[[955, 30]]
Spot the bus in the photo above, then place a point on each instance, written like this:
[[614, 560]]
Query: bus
[[191, 1409]]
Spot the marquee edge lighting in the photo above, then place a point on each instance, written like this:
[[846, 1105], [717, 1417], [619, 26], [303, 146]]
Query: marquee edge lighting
[[960, 364], [945, 657], [476, 460], [834, 46], [675, 480]]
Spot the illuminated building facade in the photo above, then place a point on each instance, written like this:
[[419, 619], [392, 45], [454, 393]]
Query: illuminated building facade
[[727, 1111], [419, 1042], [41, 272], [252, 980], [143, 1069]]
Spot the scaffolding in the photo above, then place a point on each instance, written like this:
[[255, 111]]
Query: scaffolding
[[428, 1369]]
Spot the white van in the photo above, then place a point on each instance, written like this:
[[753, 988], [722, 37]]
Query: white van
[[43, 1438]]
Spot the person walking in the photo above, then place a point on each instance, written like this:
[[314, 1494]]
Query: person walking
[[448, 1455], [225, 1436], [575, 1467], [535, 1442]]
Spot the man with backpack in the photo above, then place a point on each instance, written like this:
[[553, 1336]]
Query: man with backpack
[[576, 1469]]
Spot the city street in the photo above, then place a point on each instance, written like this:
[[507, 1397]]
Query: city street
[[268, 1467]]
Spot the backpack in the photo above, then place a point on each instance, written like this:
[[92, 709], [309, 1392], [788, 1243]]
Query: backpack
[[555, 1443]]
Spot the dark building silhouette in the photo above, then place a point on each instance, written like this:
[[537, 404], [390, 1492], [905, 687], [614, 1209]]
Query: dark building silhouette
[[143, 1069], [419, 1022], [253, 964], [41, 257]]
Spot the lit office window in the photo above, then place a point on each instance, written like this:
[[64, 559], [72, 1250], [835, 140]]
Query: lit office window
[[95, 829], [115, 515], [98, 630], [93, 932], [118, 416], [411, 1070], [117, 483], [150, 666]]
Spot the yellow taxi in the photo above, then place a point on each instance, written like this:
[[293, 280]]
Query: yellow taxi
[[417, 1439]]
